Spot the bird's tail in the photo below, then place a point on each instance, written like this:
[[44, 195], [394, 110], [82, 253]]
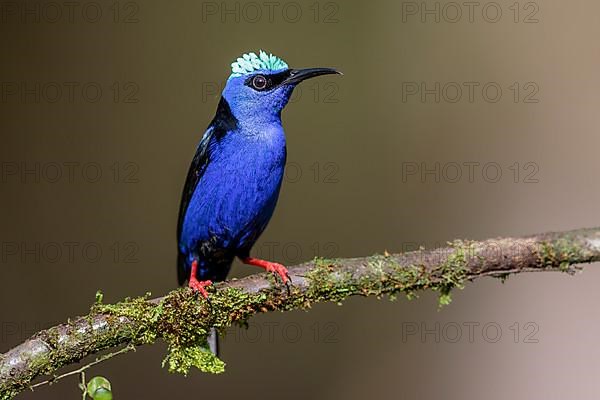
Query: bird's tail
[[213, 341]]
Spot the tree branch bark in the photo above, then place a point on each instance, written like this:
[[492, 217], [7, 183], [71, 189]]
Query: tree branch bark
[[183, 320]]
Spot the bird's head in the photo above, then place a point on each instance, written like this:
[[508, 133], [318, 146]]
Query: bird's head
[[260, 86]]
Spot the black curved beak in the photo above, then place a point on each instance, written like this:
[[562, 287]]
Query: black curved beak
[[299, 75]]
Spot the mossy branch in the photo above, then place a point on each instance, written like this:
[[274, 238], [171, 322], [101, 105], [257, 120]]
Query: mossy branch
[[182, 320]]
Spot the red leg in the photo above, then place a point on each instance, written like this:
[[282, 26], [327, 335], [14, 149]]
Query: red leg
[[197, 285], [269, 266]]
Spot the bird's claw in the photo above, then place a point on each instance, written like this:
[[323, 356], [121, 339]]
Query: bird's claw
[[281, 273], [276, 269], [199, 287], [287, 284]]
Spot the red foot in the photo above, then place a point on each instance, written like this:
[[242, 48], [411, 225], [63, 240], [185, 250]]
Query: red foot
[[269, 266], [197, 285]]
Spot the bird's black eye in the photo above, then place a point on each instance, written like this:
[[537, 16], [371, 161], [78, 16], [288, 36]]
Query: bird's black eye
[[259, 82]]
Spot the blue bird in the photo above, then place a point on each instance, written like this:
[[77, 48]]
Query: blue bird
[[233, 182]]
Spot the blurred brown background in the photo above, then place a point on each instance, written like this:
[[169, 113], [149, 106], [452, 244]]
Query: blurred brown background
[[102, 104]]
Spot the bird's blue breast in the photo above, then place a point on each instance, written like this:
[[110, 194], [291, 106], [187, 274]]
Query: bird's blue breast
[[236, 194]]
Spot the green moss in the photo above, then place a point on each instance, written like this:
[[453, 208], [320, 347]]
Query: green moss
[[386, 276], [183, 321], [320, 262], [166, 319], [560, 253], [453, 271], [450, 274], [328, 282], [99, 297], [182, 359], [140, 310], [8, 395], [444, 299]]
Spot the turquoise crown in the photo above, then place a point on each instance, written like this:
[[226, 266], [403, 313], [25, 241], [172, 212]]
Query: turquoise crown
[[250, 62]]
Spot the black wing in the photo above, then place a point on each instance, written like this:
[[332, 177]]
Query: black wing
[[223, 122], [197, 168]]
